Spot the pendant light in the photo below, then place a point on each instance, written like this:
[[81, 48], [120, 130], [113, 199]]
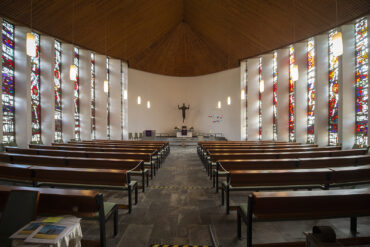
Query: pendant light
[[139, 100], [31, 41], [262, 86], [337, 37], [148, 104], [219, 105], [106, 86], [229, 100], [295, 73]]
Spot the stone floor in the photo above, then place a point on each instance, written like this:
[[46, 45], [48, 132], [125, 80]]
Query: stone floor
[[180, 205]]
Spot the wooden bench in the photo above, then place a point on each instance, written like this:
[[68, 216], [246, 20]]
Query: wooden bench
[[252, 180], [87, 204], [324, 178], [146, 157], [136, 166], [303, 205], [73, 177], [302, 163]]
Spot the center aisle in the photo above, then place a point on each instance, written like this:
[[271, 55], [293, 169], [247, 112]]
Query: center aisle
[[178, 207]]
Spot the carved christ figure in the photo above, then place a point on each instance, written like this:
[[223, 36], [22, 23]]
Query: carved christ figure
[[183, 108]]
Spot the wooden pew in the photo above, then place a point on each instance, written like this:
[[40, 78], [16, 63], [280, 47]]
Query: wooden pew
[[88, 204], [146, 157], [136, 166], [302, 163], [252, 180], [303, 205], [73, 177]]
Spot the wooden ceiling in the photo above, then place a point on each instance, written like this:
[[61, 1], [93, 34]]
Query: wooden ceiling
[[182, 37]]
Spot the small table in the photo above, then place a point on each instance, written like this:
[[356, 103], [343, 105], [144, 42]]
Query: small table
[[71, 239]]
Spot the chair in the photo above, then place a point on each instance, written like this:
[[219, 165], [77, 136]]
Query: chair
[[136, 136], [140, 135], [20, 209], [130, 137]]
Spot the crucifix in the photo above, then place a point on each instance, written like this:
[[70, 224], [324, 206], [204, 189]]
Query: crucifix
[[183, 108]]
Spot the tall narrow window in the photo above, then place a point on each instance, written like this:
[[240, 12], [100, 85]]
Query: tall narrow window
[[291, 95], [35, 93], [260, 91], [274, 100], [311, 77], [76, 93], [108, 95], [92, 71], [333, 92], [362, 64], [8, 83], [58, 91], [122, 98]]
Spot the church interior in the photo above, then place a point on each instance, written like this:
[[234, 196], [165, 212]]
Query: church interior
[[180, 123]]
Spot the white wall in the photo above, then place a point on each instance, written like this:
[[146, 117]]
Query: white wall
[[202, 94]]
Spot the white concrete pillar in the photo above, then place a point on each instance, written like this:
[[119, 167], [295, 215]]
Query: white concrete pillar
[[67, 93], [322, 87], [23, 132], [115, 98], [124, 101], [252, 109], [85, 94], [301, 92], [101, 100], [243, 102], [283, 94], [267, 97], [47, 97], [347, 87]]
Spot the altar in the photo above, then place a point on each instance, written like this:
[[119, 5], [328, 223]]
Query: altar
[[184, 132]]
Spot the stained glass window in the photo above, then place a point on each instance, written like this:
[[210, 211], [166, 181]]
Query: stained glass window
[[8, 85], [108, 94], [333, 92], [58, 91], [274, 100], [291, 96], [35, 93], [92, 71], [260, 86], [76, 94], [362, 64], [311, 77]]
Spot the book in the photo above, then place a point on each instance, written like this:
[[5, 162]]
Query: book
[[48, 233], [27, 230]]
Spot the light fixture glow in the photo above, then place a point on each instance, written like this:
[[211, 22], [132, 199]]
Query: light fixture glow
[[138, 100], [148, 104], [125, 94], [295, 74], [73, 72], [31, 44], [337, 44], [219, 105], [229, 100], [242, 94], [262, 86], [106, 86]]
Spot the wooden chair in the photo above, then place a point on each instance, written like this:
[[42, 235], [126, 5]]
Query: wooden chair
[[21, 207]]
